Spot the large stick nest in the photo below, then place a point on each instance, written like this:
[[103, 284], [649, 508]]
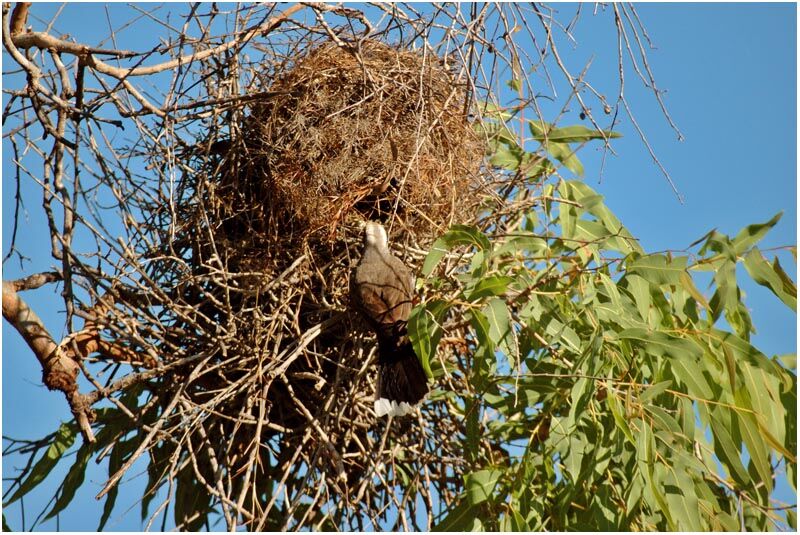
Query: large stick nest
[[259, 267], [345, 135]]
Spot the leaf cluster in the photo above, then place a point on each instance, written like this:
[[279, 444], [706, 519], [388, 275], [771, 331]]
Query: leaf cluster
[[606, 391]]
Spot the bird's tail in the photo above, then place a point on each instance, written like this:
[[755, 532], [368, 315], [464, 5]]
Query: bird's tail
[[402, 382]]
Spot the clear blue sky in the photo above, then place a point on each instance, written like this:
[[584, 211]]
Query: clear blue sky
[[730, 71]]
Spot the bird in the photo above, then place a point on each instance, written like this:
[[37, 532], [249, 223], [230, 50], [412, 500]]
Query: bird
[[383, 291]]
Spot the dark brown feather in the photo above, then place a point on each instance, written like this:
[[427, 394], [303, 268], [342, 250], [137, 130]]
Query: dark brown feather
[[383, 290], [400, 374]]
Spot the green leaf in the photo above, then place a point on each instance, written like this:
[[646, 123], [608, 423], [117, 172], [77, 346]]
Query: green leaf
[[463, 517], [73, 480], [686, 414], [507, 158], [424, 331], [480, 323], [722, 521], [654, 391], [62, 440], [457, 235], [591, 201], [518, 522], [521, 244], [591, 231], [568, 219], [496, 313], [730, 365], [640, 290], [683, 354], [118, 456], [752, 234], [575, 455], [769, 411], [682, 500], [742, 350], [645, 457], [788, 283], [659, 269], [759, 455], [108, 506], [692, 376], [491, 285], [611, 291], [767, 275], [567, 335], [689, 286], [473, 428], [189, 499], [726, 298], [542, 131], [566, 155], [494, 111], [534, 165], [480, 485], [727, 450], [579, 397], [664, 421], [619, 418], [159, 456], [660, 343]]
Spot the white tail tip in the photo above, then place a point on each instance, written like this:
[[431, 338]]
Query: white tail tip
[[384, 407]]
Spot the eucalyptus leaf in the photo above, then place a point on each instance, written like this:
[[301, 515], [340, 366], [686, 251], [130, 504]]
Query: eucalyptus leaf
[[752, 234], [62, 440], [462, 517], [480, 485], [767, 275], [659, 269], [457, 235], [73, 480], [568, 134]]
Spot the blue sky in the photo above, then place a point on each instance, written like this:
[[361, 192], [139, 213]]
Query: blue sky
[[730, 72]]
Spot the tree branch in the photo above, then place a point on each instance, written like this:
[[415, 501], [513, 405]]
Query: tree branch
[[45, 41], [19, 17], [33, 281], [59, 371]]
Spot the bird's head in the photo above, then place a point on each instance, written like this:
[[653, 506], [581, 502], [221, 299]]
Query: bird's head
[[375, 235]]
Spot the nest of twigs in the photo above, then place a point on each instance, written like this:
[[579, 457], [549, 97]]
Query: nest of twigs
[[269, 235], [346, 134]]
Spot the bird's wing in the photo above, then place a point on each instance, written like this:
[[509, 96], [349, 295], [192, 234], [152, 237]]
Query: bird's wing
[[383, 302], [384, 291]]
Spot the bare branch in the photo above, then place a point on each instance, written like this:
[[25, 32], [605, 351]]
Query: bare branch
[[33, 282], [59, 371], [19, 17], [47, 42]]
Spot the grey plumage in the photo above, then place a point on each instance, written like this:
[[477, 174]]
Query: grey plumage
[[383, 291]]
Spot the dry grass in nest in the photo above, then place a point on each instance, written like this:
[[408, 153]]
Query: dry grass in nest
[[376, 133]]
